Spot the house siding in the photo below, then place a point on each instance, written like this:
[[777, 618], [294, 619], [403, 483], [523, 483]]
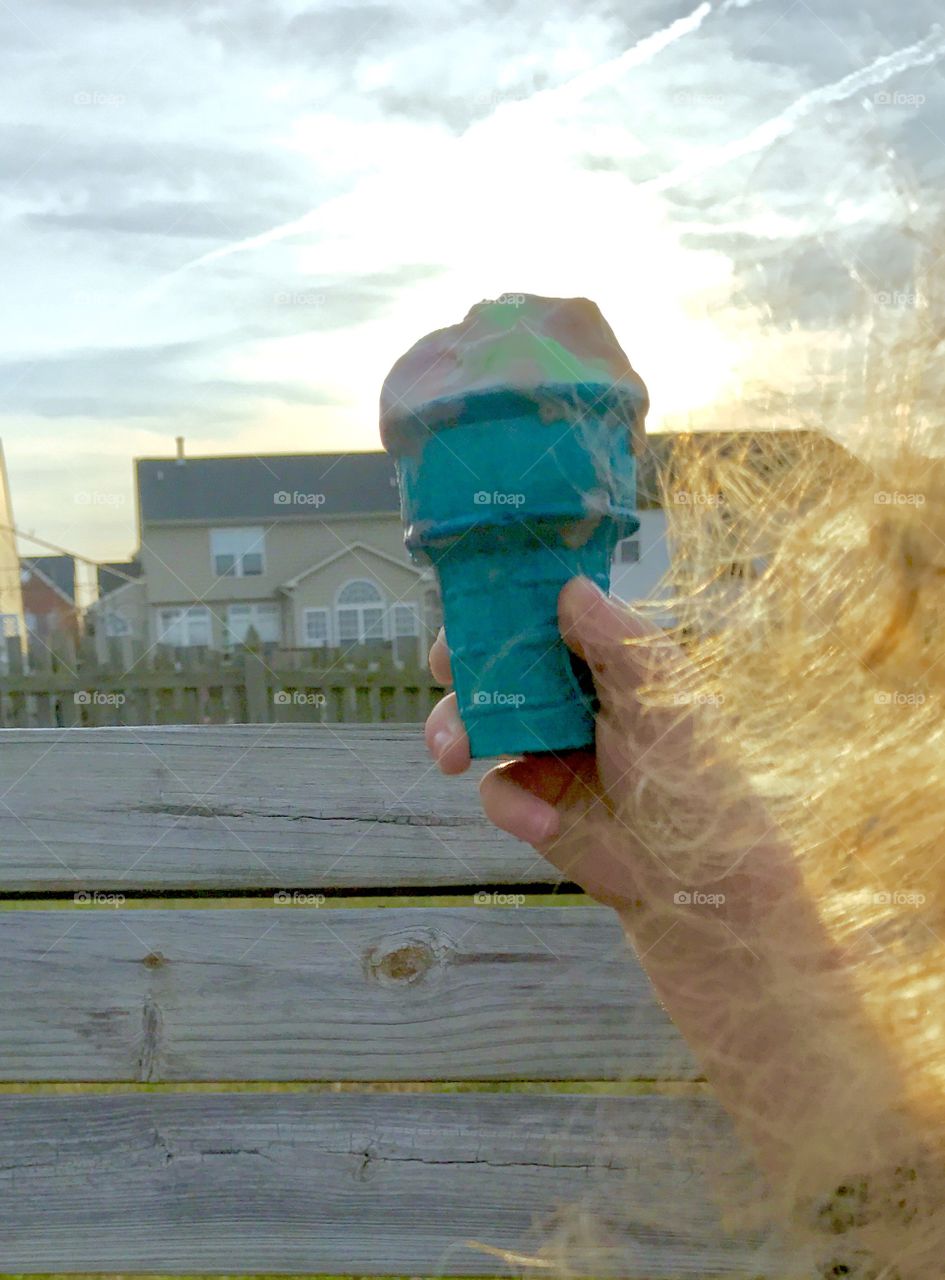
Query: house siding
[[398, 585], [178, 567]]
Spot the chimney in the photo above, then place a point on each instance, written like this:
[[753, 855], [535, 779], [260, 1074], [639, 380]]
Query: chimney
[[180, 449]]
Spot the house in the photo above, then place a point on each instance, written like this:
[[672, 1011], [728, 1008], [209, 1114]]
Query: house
[[303, 550], [306, 551], [12, 621], [47, 585]]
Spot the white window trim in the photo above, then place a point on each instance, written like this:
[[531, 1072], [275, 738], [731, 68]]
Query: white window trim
[[414, 612], [117, 614], [257, 546], [358, 609], [312, 644], [251, 607], [183, 614]]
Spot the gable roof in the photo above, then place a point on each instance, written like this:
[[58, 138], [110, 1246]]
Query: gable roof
[[106, 599], [113, 575], [270, 487], [291, 583], [57, 572]]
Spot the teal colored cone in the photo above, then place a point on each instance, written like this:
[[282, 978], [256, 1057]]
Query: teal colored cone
[[518, 686], [494, 498]]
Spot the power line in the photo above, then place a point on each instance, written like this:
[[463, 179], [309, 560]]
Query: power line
[[64, 551]]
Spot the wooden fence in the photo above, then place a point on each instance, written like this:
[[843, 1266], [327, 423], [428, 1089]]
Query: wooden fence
[[63, 687], [275, 1066]]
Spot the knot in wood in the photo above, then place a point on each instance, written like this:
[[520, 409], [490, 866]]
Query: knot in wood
[[400, 964]]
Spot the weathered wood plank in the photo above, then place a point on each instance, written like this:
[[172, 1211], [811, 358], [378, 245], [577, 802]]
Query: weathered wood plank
[[354, 1183], [243, 806], [481, 993]]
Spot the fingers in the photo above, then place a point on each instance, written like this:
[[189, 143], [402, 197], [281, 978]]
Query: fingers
[[512, 807], [440, 660], [446, 738]]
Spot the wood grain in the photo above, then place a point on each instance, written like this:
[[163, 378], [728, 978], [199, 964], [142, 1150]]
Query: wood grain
[[283, 993], [354, 1183], [243, 807]]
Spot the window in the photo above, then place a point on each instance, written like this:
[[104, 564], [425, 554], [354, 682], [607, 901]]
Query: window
[[405, 630], [315, 627], [405, 620], [9, 626], [628, 551], [32, 622], [184, 628], [116, 624], [264, 619], [238, 553], [360, 613]]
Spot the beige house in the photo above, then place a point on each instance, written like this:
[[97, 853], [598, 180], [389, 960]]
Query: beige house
[[304, 550]]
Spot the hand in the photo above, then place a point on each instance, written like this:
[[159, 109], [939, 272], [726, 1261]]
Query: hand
[[551, 801], [743, 978]]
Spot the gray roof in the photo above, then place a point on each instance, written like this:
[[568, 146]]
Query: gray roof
[[114, 574], [270, 487], [60, 570]]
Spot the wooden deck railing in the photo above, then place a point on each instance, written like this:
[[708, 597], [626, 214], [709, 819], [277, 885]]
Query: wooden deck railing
[[276, 1063]]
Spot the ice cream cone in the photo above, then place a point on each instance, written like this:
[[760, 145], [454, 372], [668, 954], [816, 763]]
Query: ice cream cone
[[508, 494]]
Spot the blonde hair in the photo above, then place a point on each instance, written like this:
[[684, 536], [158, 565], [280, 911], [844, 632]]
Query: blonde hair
[[807, 593]]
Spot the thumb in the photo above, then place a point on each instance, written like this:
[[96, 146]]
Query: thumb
[[621, 648]]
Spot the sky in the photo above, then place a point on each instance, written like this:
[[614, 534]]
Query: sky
[[225, 221]]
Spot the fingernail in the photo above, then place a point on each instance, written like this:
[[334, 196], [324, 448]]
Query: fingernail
[[541, 822]]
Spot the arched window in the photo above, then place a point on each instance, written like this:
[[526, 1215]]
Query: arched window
[[359, 612]]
